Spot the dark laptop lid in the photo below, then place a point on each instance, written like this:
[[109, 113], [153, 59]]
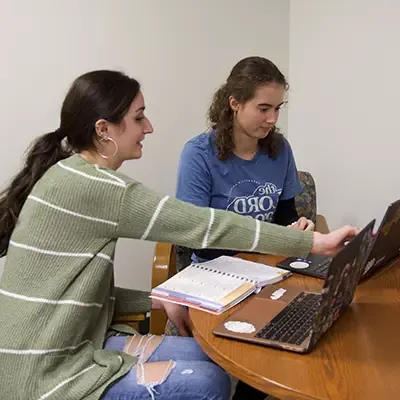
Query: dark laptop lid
[[343, 275], [387, 240]]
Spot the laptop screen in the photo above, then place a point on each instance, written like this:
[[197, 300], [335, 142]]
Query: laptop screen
[[343, 275]]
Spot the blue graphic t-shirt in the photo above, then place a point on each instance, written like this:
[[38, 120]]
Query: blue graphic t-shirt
[[246, 187]]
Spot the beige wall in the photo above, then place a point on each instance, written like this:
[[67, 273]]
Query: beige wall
[[344, 103], [181, 50]]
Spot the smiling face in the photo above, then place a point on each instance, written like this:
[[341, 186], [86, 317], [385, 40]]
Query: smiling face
[[255, 118], [129, 134]]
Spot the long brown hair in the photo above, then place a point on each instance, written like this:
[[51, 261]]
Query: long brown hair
[[93, 96], [246, 76]]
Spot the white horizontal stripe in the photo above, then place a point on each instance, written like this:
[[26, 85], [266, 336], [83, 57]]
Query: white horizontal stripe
[[256, 236], [48, 301], [71, 212], [154, 217], [111, 176], [46, 395], [34, 352], [112, 298], [105, 257], [60, 253], [94, 178], [50, 252], [210, 224]]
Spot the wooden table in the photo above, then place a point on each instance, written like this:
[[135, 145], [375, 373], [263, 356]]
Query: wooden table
[[358, 358]]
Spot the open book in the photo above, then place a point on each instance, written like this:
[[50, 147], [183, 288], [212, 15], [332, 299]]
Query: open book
[[217, 285]]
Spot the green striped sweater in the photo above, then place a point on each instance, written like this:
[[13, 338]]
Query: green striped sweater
[[57, 289]]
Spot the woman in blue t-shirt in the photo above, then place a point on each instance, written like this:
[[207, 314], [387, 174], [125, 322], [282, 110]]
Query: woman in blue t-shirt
[[244, 164]]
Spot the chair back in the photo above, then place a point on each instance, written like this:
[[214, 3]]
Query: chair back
[[183, 257], [306, 201]]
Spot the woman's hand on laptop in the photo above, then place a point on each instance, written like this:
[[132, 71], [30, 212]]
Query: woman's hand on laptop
[[329, 244], [303, 224]]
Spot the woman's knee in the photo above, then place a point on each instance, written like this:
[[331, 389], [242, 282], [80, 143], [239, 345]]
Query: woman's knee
[[150, 348], [200, 380], [140, 346], [178, 349], [178, 380], [174, 366]]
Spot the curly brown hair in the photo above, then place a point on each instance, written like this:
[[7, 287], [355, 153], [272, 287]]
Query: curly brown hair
[[246, 76]]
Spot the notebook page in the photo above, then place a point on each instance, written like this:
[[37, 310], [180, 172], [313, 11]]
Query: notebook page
[[200, 283], [249, 271]]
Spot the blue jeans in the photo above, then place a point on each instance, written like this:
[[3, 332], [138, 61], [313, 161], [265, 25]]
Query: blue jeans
[[194, 377]]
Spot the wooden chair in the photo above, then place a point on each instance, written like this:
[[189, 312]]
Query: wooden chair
[[164, 266], [165, 260]]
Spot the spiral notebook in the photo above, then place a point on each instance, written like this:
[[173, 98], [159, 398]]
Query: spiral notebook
[[217, 285]]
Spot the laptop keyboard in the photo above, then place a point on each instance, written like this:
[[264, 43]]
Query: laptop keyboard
[[323, 267], [293, 324]]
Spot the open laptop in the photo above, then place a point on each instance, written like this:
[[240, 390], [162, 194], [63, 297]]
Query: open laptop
[[295, 320], [384, 248]]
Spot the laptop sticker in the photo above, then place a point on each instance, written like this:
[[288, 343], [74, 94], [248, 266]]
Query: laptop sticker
[[369, 265], [299, 264], [239, 327], [277, 294]]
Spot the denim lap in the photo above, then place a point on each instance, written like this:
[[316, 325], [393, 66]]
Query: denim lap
[[194, 377], [174, 348], [179, 348]]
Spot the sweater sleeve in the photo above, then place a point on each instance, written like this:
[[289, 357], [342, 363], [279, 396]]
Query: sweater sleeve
[[147, 215], [131, 301]]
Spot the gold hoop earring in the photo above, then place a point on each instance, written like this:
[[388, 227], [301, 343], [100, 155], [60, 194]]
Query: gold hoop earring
[[103, 138]]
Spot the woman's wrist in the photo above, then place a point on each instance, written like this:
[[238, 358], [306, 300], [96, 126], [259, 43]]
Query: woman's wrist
[[317, 243], [156, 304], [330, 243]]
